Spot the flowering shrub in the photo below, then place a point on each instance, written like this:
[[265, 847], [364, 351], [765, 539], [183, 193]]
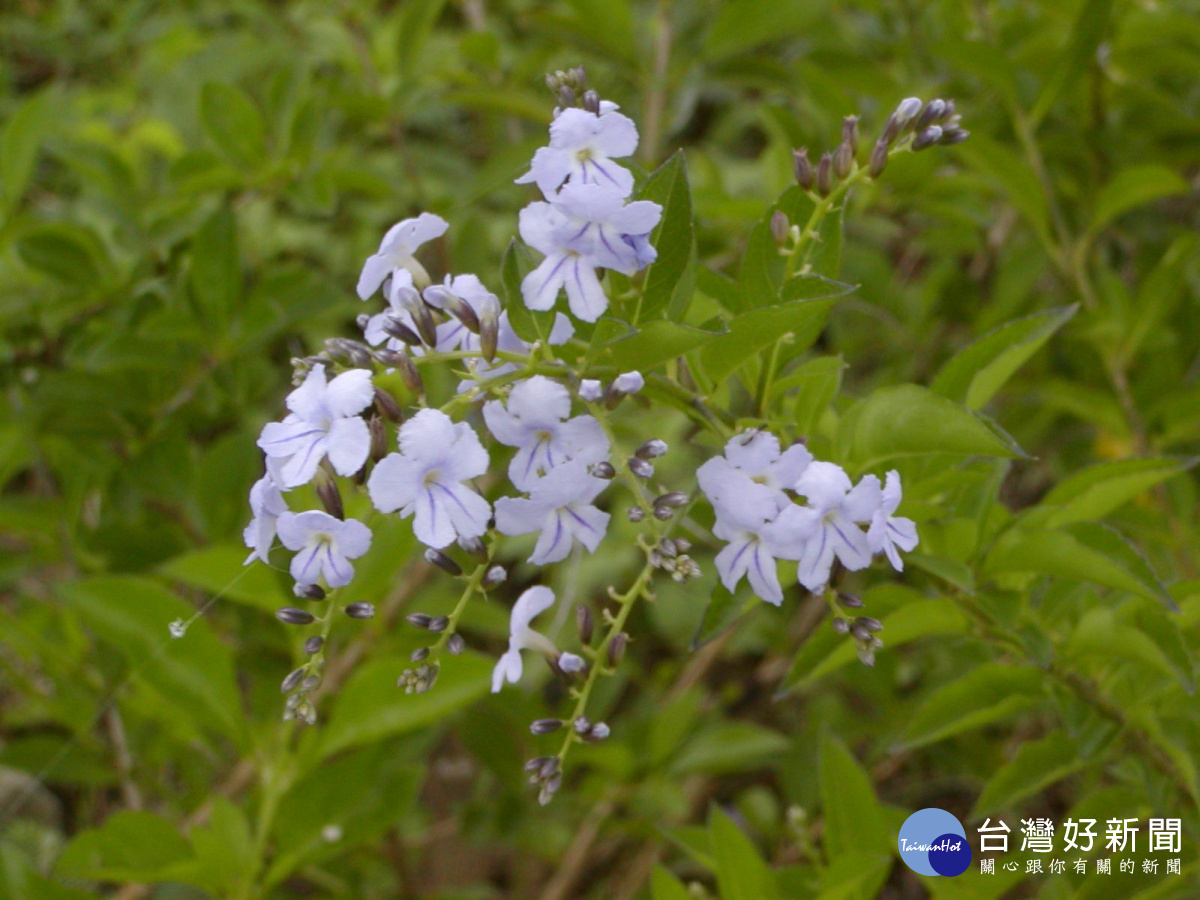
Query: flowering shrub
[[588, 231]]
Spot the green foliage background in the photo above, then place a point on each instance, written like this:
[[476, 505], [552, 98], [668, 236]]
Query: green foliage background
[[188, 191]]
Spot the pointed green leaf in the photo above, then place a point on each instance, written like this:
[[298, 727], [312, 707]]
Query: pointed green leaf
[[216, 270], [853, 819], [234, 123], [665, 886], [19, 144], [670, 280], [1096, 491], [741, 872], [1131, 188], [1034, 767], [974, 375], [656, 342], [990, 693], [529, 325]]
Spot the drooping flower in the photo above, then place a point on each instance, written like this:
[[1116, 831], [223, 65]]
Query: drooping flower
[[585, 227], [534, 420], [266, 505], [324, 546], [401, 295], [529, 605], [560, 509], [582, 147], [324, 421], [889, 533], [396, 252], [826, 529], [426, 479], [755, 456]]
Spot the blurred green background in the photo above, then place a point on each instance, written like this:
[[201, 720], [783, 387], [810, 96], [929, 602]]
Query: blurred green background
[[187, 191]]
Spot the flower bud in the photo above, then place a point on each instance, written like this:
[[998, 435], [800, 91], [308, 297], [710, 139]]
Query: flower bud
[[850, 601], [455, 644], [438, 624], [311, 683], [494, 576], [850, 134], [951, 136], [879, 158], [293, 679], [825, 175], [545, 726], [378, 435], [308, 591], [437, 558], [640, 467], [806, 177], [355, 353], [602, 469], [330, 497], [585, 622], [423, 318], [387, 405], [475, 547], [598, 732], [590, 389], [362, 320], [931, 114], [667, 548], [675, 500], [314, 644], [841, 626], [860, 633], [361, 610], [570, 663], [591, 102], [489, 333], [581, 725], [616, 648], [393, 327], [905, 113], [843, 160], [780, 226], [566, 96], [663, 513], [535, 764], [408, 372], [419, 655], [441, 297], [418, 620], [683, 545], [289, 615], [652, 449], [869, 624], [636, 514], [927, 138]]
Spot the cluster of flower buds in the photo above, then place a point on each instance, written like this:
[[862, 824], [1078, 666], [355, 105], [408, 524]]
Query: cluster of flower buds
[[864, 628], [935, 122], [670, 555], [546, 773], [570, 89], [302, 681], [833, 165]]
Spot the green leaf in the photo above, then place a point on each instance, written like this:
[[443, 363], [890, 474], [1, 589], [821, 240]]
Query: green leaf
[[1100, 635], [20, 879], [665, 886], [19, 145], [826, 256], [1034, 767], [1014, 175], [742, 26], [907, 420], [730, 747], [417, 18], [799, 322], [1085, 551], [193, 674], [741, 872], [1131, 188], [989, 693], [692, 840], [1096, 491], [129, 846], [670, 281], [974, 375], [65, 251], [721, 611], [853, 821], [234, 123], [814, 384], [371, 707], [1091, 27], [916, 619], [656, 342], [529, 325], [224, 849], [216, 270]]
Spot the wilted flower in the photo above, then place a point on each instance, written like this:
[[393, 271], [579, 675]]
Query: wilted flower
[[529, 605], [267, 505], [396, 252]]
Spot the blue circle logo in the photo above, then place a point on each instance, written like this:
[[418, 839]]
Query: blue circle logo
[[933, 842]]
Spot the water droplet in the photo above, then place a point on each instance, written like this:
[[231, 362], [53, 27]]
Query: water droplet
[[178, 628]]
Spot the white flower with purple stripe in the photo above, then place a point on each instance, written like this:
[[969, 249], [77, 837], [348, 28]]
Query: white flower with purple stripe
[[754, 456], [534, 420], [529, 605], [584, 228], [426, 479], [324, 546], [560, 509], [396, 253], [890, 533], [266, 505], [324, 422], [582, 147], [826, 529]]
